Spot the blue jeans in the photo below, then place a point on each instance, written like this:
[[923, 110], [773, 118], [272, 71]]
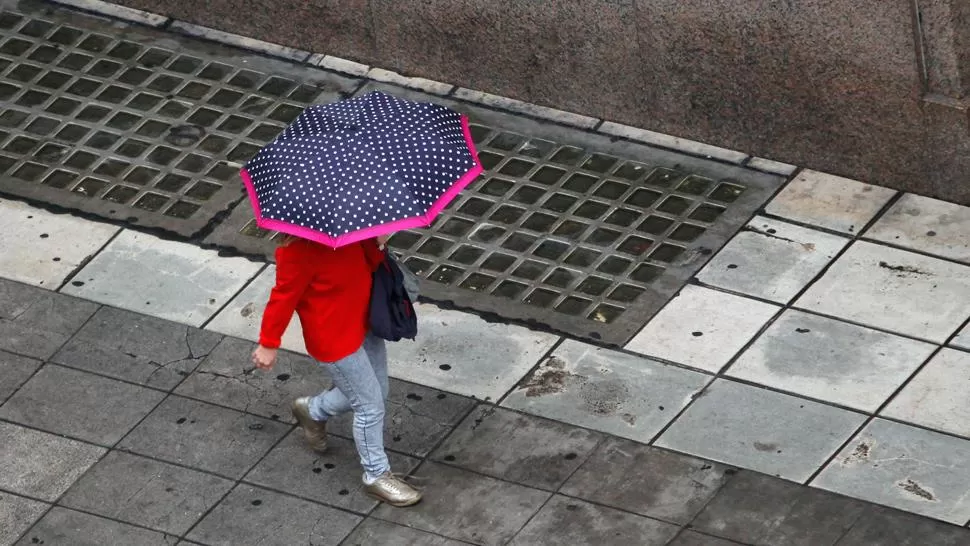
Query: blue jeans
[[360, 385]]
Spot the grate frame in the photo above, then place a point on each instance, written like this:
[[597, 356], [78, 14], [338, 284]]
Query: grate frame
[[132, 124]]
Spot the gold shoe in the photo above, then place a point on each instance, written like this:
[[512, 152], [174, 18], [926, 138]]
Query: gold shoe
[[314, 431], [393, 490]]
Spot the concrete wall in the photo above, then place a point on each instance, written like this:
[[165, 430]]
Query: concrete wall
[[864, 89]]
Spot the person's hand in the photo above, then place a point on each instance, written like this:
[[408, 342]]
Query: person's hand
[[264, 358], [382, 241]]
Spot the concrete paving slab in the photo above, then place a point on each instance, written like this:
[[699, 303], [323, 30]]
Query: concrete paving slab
[[962, 339], [904, 467], [17, 514], [830, 201], [41, 248], [333, 478], [462, 353], [63, 526], [250, 515], [570, 521], [375, 531], [416, 418], [14, 371], [893, 289], [693, 538], [466, 506], [928, 225], [166, 279], [937, 397], [880, 525], [605, 390], [144, 492], [761, 430], [517, 448], [35, 322], [137, 348], [244, 314], [757, 509], [204, 436], [647, 481], [702, 328], [79, 404], [226, 377], [830, 360], [39, 464], [771, 259]]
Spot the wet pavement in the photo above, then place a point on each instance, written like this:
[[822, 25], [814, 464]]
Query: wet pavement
[[802, 388]]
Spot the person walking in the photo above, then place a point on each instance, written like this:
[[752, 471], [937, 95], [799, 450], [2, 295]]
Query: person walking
[[329, 289], [337, 182]]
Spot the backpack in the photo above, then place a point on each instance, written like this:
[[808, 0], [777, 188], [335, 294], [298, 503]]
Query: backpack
[[392, 315]]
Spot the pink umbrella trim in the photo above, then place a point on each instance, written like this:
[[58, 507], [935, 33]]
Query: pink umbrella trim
[[423, 220]]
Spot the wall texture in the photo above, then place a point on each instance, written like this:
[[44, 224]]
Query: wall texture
[[866, 89]]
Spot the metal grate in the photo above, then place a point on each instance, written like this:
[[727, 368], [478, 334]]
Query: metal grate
[[128, 123], [565, 228]]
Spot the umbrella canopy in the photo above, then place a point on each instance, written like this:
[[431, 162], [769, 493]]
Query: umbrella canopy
[[360, 168]]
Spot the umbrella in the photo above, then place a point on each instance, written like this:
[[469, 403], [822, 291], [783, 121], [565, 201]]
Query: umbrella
[[360, 168]]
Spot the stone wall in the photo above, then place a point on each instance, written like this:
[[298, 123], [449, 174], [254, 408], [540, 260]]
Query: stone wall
[[864, 89]]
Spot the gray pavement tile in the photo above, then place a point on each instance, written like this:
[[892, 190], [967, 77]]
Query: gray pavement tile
[[771, 259], [334, 477], [39, 464], [904, 467], [14, 371], [762, 430], [137, 348], [880, 526], [962, 339], [416, 417], [647, 481], [928, 225], [757, 509], [42, 248], [693, 538], [17, 514], [36, 322], [243, 315], [830, 201], [63, 526], [204, 436], [569, 521], [466, 506], [374, 531], [144, 492], [895, 290], [702, 328], [226, 377], [80, 405], [830, 360], [167, 279], [250, 515], [462, 353], [605, 390], [937, 396], [519, 448]]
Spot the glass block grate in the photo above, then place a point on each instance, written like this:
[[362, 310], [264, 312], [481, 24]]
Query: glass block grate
[[128, 124]]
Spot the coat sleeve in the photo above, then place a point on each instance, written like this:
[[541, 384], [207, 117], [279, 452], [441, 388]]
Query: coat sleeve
[[292, 279]]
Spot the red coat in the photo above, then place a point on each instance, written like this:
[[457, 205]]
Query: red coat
[[330, 291]]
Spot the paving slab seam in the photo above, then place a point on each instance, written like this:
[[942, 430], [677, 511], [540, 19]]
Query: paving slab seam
[[228, 301], [83, 263]]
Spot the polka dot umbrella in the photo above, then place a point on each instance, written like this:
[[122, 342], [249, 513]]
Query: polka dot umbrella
[[362, 167]]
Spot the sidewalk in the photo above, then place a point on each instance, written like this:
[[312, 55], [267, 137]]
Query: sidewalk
[[786, 371]]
